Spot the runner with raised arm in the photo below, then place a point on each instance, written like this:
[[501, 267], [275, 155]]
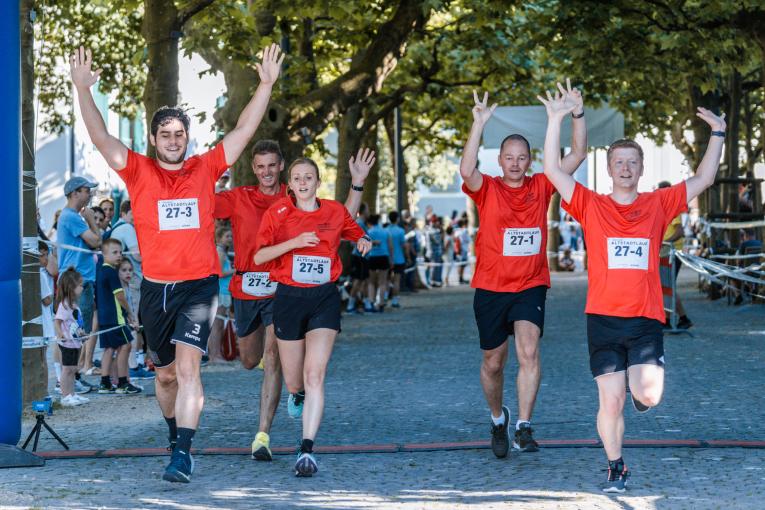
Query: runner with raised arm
[[511, 274], [623, 232], [299, 237], [251, 286], [173, 202]]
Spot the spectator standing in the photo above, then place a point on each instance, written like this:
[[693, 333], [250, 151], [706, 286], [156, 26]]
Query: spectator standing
[[77, 235], [359, 267], [224, 240], [68, 325], [107, 205], [398, 240], [380, 262]]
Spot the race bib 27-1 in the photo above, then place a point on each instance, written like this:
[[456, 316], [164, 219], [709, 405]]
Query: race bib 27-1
[[521, 242]]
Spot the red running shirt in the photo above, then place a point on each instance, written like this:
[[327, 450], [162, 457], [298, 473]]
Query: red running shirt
[[312, 266], [173, 213], [511, 245], [244, 207], [623, 243]]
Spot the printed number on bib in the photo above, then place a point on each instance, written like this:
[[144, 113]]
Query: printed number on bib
[[308, 269], [521, 242], [628, 253], [178, 214], [258, 284]]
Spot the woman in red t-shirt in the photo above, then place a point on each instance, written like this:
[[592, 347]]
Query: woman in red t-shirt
[[299, 238]]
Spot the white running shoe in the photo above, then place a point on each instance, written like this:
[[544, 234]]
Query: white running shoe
[[83, 400], [71, 401]]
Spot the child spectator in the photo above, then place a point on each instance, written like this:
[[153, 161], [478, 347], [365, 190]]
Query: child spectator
[[69, 330], [135, 363], [113, 309], [47, 296]]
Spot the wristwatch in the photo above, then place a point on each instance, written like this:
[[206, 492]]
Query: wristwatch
[[579, 116], [357, 188], [718, 133]]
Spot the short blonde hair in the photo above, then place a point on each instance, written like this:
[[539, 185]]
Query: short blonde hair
[[624, 143]]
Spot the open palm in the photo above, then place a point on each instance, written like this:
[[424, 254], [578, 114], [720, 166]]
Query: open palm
[[269, 68], [361, 164], [557, 105], [80, 64]]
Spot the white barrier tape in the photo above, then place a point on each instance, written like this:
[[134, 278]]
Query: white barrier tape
[[32, 342], [83, 250], [716, 270], [36, 320], [736, 224], [738, 257]]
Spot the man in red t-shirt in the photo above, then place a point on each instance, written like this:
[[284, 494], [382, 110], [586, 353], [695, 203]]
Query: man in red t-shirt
[[251, 286], [511, 275], [173, 204], [623, 232]]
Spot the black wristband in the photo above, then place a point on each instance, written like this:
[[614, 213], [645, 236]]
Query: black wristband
[[575, 116], [366, 238], [718, 133], [357, 188]]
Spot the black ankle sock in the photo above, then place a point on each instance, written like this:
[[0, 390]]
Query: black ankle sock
[[184, 439], [105, 380], [172, 428], [299, 397], [307, 446], [616, 465], [122, 381], [77, 376]]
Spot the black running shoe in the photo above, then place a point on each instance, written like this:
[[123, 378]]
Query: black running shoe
[[617, 480], [685, 322], [523, 441], [500, 437], [638, 405], [180, 468]]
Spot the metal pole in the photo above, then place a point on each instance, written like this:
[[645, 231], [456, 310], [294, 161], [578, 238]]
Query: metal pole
[[399, 161], [10, 227]]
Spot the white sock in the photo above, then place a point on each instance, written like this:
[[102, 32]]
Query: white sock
[[498, 421], [139, 357], [519, 422], [57, 369]]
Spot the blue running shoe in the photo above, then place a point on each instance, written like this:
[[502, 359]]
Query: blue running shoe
[[305, 465], [140, 373], [295, 404], [180, 468], [617, 479]]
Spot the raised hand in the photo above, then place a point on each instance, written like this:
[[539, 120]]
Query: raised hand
[[481, 111], [80, 68], [360, 165], [557, 106], [572, 95], [305, 240], [268, 70], [715, 122]]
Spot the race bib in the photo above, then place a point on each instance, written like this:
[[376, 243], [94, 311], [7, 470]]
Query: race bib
[[309, 269], [628, 253], [258, 284], [521, 242], [178, 214]]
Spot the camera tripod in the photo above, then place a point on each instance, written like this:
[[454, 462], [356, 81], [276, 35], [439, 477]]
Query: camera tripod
[[36, 433]]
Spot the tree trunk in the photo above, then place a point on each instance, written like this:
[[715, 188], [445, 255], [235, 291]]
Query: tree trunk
[[348, 142], [390, 130], [161, 29], [34, 366], [553, 232], [372, 183]]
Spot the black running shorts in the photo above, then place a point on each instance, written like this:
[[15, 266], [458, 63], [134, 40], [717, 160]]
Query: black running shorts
[[298, 310], [114, 338], [495, 313], [359, 267], [399, 268], [379, 263], [616, 343], [177, 312], [251, 313]]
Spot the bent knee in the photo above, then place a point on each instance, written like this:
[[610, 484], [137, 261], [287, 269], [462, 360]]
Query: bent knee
[[313, 378], [165, 376], [249, 362]]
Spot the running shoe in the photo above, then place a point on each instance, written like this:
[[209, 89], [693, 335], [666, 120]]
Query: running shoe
[[638, 405], [394, 303], [127, 389], [295, 404], [685, 322], [305, 465], [171, 447], [500, 437], [83, 400], [70, 401], [260, 447], [369, 309], [82, 386], [57, 389], [180, 468], [524, 442], [617, 480], [104, 388]]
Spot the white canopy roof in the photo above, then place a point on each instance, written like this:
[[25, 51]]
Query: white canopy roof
[[604, 125]]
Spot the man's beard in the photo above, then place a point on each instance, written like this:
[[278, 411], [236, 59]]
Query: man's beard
[[181, 156]]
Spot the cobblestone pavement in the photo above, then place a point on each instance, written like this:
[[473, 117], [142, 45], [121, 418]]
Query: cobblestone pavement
[[411, 376]]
